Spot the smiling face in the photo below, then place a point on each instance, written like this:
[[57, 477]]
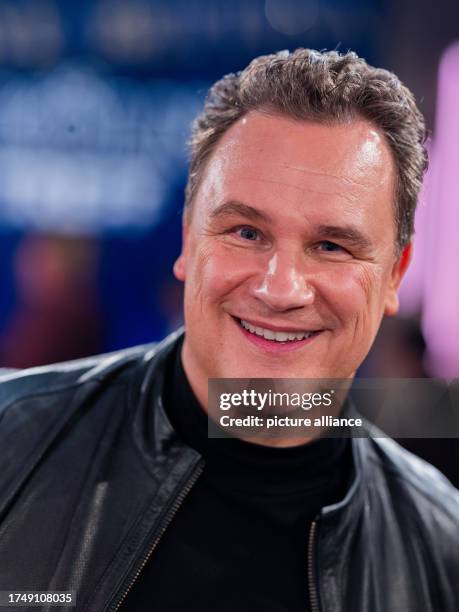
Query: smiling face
[[289, 252]]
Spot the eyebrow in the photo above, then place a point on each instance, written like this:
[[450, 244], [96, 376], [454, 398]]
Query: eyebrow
[[347, 233], [233, 207]]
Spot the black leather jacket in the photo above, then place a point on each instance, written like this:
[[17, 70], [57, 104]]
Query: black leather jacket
[[92, 474]]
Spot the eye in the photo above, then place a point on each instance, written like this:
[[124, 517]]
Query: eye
[[330, 247], [247, 232]]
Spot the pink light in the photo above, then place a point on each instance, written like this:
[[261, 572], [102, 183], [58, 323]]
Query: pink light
[[441, 267]]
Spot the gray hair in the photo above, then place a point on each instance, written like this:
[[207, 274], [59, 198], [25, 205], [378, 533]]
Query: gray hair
[[325, 87]]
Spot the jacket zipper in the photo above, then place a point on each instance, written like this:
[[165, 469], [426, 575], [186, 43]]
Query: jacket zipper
[[313, 595], [164, 525]]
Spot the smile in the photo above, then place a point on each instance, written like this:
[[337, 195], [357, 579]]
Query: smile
[[276, 341], [276, 336]]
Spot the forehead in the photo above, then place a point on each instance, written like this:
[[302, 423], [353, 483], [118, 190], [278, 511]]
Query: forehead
[[264, 156]]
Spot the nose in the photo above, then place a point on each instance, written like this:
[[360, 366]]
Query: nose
[[283, 284]]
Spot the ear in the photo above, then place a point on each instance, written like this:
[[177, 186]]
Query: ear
[[180, 263], [398, 272]]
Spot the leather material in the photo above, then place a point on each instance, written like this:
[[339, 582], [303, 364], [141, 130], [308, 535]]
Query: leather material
[[91, 474]]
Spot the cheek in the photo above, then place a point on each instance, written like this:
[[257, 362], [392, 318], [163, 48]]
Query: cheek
[[215, 272], [353, 291]]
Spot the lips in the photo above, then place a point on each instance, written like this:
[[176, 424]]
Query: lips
[[276, 336], [281, 343]]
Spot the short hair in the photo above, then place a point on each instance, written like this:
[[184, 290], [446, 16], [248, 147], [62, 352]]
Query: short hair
[[323, 87]]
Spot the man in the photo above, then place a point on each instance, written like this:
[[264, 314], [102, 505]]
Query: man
[[299, 212]]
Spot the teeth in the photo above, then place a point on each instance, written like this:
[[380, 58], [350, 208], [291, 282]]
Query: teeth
[[269, 334]]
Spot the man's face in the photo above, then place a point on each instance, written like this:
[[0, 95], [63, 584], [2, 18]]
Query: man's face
[[292, 232]]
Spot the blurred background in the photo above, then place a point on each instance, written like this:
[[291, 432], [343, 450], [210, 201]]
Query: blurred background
[[96, 99]]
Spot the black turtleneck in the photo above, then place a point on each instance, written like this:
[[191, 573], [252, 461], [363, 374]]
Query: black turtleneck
[[239, 540]]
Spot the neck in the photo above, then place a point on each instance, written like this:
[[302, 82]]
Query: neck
[[199, 386]]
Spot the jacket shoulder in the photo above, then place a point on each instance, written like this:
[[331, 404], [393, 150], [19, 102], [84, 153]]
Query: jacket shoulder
[[424, 485], [17, 385]]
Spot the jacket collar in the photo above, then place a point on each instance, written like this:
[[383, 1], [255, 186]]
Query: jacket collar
[[153, 432]]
